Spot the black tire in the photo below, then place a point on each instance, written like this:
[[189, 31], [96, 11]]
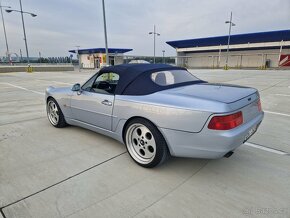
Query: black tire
[[60, 122], [134, 145]]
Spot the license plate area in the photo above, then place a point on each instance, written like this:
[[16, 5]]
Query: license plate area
[[251, 132]]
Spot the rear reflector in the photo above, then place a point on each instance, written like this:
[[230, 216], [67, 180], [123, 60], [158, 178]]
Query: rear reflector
[[226, 122]]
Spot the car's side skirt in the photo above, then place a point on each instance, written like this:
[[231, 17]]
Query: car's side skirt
[[115, 135]]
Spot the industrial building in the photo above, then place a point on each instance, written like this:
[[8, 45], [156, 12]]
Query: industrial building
[[251, 50], [92, 58]]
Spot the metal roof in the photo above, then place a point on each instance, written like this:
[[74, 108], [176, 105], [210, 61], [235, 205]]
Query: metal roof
[[260, 37], [101, 50]]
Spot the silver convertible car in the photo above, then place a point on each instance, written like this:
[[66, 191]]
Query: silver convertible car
[[159, 110]]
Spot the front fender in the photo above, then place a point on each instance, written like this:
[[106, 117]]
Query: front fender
[[62, 97]]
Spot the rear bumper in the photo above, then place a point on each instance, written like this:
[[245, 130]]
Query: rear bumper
[[210, 144]]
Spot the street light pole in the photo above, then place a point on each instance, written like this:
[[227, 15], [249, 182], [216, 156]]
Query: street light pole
[[154, 35], [163, 51], [229, 38], [23, 26], [154, 39], [25, 39], [4, 29], [105, 30]]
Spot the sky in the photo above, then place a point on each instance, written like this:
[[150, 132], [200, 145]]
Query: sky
[[60, 25]]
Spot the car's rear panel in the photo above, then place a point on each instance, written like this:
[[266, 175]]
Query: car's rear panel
[[249, 106], [251, 110], [210, 143]]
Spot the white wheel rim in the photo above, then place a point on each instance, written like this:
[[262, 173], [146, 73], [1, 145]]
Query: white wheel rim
[[141, 143], [52, 112]]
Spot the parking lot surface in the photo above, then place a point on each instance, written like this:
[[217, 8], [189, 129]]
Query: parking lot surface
[[73, 172]]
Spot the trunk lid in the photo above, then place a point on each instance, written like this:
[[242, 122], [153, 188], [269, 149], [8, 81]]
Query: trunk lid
[[214, 97], [234, 98], [224, 93]]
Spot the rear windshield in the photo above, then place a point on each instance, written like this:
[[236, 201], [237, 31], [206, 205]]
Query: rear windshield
[[171, 77]]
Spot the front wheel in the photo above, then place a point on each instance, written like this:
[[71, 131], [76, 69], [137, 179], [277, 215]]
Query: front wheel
[[145, 143], [54, 114]]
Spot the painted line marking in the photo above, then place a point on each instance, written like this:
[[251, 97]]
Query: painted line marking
[[271, 112], [275, 151], [62, 83], [283, 95], [20, 87]]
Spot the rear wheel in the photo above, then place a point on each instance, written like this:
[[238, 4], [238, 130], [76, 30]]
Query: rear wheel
[[145, 143], [54, 114]]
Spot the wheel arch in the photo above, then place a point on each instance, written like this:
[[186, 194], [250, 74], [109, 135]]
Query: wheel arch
[[139, 117], [49, 97], [164, 147]]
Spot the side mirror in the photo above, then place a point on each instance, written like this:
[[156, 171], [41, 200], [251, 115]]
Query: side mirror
[[76, 87]]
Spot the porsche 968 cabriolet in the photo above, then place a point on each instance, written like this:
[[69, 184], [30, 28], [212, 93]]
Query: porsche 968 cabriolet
[[158, 111]]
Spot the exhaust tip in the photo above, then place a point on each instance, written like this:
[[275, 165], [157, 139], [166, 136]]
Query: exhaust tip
[[230, 153]]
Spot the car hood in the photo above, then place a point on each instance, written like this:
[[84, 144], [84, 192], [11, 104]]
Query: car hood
[[52, 89], [225, 93], [59, 89]]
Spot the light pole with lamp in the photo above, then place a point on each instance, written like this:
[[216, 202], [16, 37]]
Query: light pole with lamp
[[23, 25], [229, 38], [4, 29], [105, 31], [154, 38]]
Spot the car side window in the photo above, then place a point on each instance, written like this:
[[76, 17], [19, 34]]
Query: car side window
[[88, 85], [106, 83], [172, 77]]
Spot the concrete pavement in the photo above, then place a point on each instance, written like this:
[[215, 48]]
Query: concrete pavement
[[72, 172]]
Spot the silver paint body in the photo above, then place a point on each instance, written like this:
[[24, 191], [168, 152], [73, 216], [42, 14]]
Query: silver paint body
[[181, 115]]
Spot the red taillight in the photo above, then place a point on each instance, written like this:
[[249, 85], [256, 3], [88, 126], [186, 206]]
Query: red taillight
[[226, 122], [259, 105]]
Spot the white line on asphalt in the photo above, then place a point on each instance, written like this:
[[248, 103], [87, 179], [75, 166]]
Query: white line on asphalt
[[283, 95], [20, 87], [62, 83], [266, 148], [271, 112]]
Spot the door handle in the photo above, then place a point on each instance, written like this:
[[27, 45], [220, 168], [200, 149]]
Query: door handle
[[106, 102]]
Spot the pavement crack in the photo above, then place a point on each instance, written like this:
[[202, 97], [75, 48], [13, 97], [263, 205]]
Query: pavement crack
[[173, 189], [64, 180], [2, 213], [22, 121], [273, 85], [102, 200]]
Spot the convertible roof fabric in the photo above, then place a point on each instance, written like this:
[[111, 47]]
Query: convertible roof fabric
[[135, 79]]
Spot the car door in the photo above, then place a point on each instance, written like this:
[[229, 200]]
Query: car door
[[94, 103]]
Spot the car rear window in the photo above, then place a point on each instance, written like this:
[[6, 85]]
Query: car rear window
[[166, 78]]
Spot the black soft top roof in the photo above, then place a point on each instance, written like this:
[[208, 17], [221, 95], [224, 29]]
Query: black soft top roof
[[135, 79]]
